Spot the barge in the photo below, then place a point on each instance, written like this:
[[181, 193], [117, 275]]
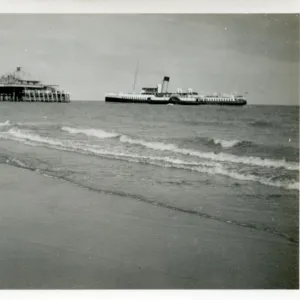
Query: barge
[[16, 87]]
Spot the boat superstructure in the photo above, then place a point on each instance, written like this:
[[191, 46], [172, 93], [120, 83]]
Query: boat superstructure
[[222, 99], [160, 95], [17, 87]]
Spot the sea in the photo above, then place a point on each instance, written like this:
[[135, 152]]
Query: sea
[[235, 166]]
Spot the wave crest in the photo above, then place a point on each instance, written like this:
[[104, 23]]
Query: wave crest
[[290, 185], [226, 143], [34, 137], [99, 133], [222, 157], [209, 166], [6, 123]]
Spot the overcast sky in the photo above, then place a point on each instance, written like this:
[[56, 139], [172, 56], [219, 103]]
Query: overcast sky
[[88, 55]]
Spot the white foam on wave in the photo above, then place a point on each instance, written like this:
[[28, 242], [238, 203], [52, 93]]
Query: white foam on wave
[[6, 123], [248, 177], [226, 143], [222, 157], [34, 137], [146, 158], [207, 167], [99, 133], [34, 140], [18, 162]]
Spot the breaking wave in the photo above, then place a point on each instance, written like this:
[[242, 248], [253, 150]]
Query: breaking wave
[[215, 142], [226, 143], [34, 137], [99, 133], [290, 185], [222, 157], [6, 123], [210, 166], [28, 138]]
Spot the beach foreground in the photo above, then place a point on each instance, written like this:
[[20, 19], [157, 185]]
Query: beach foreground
[[55, 235]]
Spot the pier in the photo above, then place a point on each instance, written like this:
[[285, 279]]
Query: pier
[[14, 87]]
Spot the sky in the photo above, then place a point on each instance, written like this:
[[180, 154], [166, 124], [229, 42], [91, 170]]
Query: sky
[[91, 54]]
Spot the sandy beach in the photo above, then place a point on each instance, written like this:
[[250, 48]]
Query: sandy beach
[[57, 235]]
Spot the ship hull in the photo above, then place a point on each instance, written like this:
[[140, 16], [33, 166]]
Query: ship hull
[[170, 101], [137, 101]]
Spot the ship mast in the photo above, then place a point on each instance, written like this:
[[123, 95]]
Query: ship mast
[[135, 76]]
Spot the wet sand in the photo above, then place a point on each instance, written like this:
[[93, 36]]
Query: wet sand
[[55, 235]]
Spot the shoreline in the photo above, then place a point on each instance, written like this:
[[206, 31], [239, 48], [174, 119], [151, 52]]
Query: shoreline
[[59, 235]]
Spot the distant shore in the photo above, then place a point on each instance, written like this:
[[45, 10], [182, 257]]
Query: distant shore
[[57, 235]]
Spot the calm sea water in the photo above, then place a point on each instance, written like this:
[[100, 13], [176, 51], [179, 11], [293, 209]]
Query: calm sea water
[[235, 165]]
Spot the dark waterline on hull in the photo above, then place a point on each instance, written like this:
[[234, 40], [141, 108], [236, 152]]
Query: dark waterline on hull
[[118, 100]]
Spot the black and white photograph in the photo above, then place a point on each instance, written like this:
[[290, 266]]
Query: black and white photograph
[[148, 151]]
